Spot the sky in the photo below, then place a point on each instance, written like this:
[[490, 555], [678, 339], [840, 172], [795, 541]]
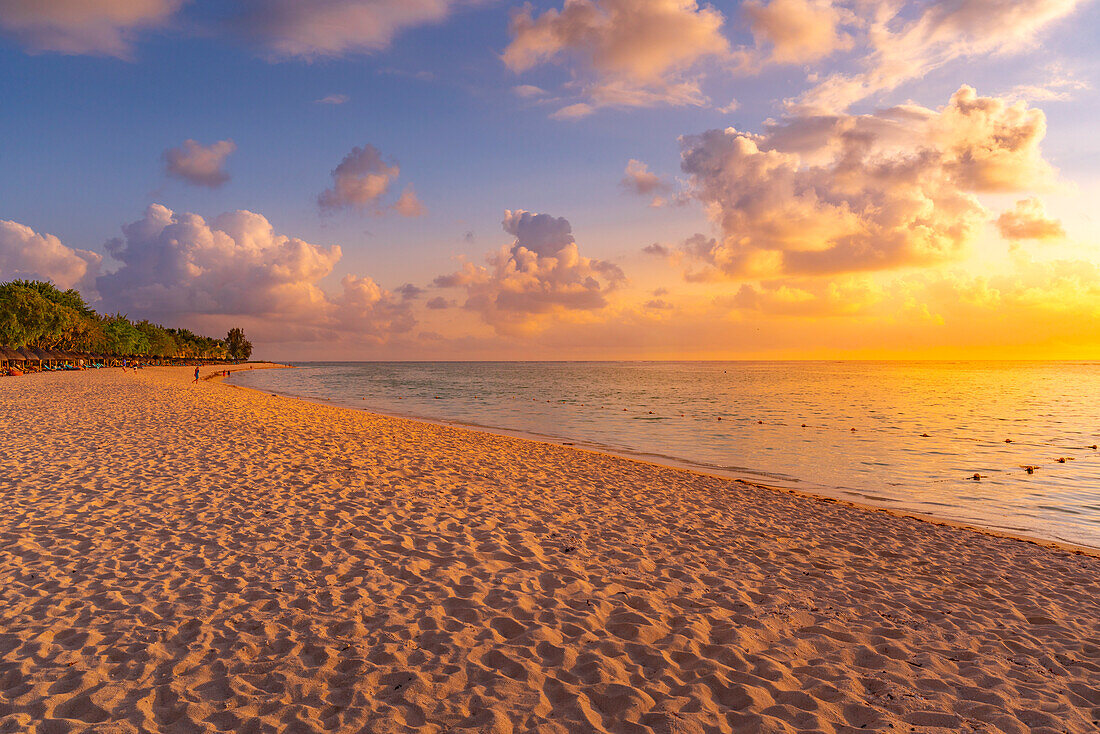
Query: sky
[[564, 179]]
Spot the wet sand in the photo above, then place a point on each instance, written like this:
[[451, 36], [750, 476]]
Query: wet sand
[[196, 558]]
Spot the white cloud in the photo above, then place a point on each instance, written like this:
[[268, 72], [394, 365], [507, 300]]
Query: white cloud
[[104, 27], [905, 43], [1058, 86], [180, 265], [539, 278], [842, 193], [333, 99], [202, 165], [28, 255]]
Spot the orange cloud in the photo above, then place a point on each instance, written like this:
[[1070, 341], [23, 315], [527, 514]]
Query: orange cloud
[[796, 30], [632, 52], [542, 276], [847, 193], [1028, 220], [816, 298]]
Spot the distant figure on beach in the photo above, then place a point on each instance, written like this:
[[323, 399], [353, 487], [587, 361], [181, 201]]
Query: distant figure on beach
[[124, 365], [196, 374]]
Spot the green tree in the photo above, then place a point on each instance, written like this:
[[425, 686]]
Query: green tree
[[35, 313], [237, 345], [25, 316], [123, 338]]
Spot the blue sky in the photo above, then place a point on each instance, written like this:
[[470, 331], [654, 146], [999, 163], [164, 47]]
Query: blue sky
[[84, 131]]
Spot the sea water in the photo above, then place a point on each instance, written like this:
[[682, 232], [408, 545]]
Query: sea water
[[905, 435]]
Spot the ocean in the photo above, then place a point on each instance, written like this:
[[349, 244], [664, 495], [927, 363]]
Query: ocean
[[904, 435]]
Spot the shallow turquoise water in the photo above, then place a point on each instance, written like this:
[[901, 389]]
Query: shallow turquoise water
[[669, 412]]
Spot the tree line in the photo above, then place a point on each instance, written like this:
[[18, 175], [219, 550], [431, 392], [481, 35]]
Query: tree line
[[37, 314]]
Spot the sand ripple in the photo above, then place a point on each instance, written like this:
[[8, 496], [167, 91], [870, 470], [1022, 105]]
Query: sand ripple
[[200, 558]]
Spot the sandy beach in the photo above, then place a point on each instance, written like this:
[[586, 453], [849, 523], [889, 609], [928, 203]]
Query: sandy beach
[[179, 557]]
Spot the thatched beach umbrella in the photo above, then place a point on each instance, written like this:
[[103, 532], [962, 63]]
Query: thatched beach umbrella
[[29, 355], [11, 355]]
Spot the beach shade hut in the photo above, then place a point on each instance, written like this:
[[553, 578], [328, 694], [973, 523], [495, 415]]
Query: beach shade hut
[[43, 356], [13, 359], [29, 356]]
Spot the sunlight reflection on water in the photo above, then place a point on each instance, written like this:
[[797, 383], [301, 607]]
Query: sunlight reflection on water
[[989, 418]]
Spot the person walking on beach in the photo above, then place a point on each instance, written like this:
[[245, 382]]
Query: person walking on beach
[[196, 374]]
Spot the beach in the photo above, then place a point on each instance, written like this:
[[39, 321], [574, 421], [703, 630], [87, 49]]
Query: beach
[[179, 557]]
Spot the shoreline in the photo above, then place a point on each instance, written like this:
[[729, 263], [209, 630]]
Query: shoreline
[[688, 467], [214, 558]]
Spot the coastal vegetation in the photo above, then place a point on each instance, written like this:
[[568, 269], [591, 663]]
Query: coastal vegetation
[[37, 314]]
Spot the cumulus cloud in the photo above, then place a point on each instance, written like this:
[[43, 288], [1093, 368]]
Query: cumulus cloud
[[28, 255], [408, 205], [409, 291], [905, 43], [362, 179], [320, 28], [236, 265], [630, 52], [657, 249], [1028, 220], [638, 179], [202, 165], [796, 31], [845, 193], [438, 303], [104, 27], [542, 275]]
